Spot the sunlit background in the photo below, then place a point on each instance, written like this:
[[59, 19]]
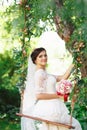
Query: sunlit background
[[58, 57]]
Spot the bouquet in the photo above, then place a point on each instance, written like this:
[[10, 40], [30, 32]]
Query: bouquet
[[64, 88]]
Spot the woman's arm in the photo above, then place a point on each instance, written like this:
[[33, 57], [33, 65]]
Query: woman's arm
[[46, 96], [67, 73], [41, 93]]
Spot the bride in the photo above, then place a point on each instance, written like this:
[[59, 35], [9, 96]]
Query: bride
[[40, 97]]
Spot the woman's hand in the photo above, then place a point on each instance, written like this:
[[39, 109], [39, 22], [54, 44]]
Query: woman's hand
[[63, 96], [66, 97]]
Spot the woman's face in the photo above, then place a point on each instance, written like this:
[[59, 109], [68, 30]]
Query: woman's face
[[41, 59]]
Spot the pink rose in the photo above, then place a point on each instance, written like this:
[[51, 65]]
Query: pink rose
[[64, 87]]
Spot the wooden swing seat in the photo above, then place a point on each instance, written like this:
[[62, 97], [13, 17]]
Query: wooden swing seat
[[47, 121]]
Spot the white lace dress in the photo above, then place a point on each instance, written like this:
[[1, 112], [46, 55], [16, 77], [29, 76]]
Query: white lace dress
[[53, 109]]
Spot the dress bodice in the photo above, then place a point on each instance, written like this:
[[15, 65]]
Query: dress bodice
[[44, 82], [51, 84]]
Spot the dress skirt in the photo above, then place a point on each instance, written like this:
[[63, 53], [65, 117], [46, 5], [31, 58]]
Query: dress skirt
[[54, 110]]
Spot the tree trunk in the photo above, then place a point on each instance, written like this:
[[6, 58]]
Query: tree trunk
[[84, 67], [65, 31], [65, 35]]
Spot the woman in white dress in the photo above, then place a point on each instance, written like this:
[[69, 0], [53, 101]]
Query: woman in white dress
[[49, 104]]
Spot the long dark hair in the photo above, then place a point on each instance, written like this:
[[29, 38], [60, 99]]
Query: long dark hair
[[36, 52]]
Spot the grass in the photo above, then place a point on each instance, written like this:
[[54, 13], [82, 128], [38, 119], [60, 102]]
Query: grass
[[8, 125]]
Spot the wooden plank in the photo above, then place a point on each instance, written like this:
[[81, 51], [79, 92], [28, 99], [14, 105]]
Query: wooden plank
[[47, 121]]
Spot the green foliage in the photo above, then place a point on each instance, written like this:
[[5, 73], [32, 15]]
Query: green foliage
[[35, 13], [9, 94], [80, 110], [74, 14], [21, 68], [7, 68], [5, 125], [14, 21]]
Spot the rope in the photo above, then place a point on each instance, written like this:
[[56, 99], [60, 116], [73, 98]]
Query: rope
[[73, 100]]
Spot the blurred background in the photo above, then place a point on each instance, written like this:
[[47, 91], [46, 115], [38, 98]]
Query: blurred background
[[58, 26]]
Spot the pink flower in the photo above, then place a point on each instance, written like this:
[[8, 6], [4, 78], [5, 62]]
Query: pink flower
[[64, 87]]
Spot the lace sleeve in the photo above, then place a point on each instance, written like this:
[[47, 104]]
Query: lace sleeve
[[40, 82]]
